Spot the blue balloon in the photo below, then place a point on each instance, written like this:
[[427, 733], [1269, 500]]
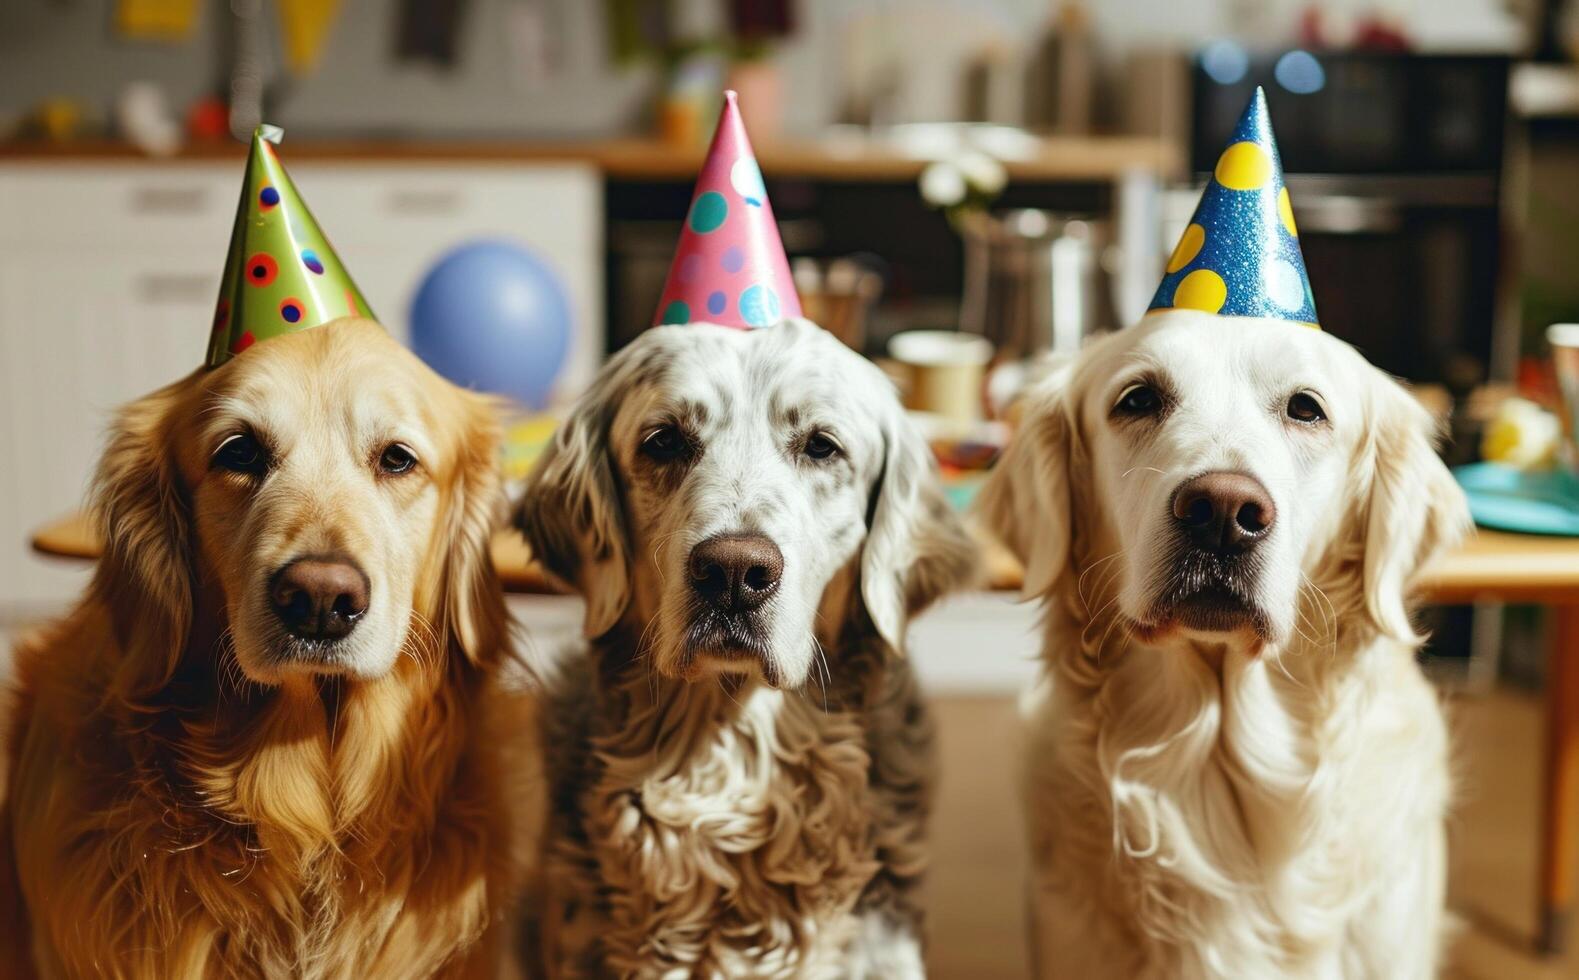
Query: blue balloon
[[491, 315]]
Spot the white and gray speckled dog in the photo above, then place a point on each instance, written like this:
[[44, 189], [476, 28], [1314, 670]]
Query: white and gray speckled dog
[[742, 763]]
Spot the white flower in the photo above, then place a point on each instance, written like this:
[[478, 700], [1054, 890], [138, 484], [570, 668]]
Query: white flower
[[985, 175], [942, 185]]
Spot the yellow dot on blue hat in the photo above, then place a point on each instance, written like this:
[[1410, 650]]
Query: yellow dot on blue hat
[[1285, 210], [1244, 166], [1188, 248], [1202, 290]]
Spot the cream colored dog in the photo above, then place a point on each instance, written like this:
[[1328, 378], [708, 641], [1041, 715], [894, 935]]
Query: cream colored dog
[[270, 742], [1235, 766]]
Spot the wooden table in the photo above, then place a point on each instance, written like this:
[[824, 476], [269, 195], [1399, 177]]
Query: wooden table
[[1492, 566]]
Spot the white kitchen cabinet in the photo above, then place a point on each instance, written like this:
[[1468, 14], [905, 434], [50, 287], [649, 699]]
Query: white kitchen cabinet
[[109, 272]]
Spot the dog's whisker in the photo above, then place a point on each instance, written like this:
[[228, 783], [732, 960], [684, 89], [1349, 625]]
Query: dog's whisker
[[1142, 469], [1080, 585]]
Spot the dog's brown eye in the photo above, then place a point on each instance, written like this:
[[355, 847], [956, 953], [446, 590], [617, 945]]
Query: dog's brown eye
[[819, 446], [242, 453], [665, 444], [396, 459], [1305, 408], [1138, 400]]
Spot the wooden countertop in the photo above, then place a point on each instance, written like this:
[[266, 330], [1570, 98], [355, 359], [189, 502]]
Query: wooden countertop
[[1492, 565], [1048, 158]]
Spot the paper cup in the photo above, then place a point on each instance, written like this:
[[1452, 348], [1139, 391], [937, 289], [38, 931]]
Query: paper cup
[[944, 370], [1564, 338]]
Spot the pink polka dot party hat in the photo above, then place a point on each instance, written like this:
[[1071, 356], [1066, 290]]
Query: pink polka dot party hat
[[730, 267], [281, 275], [1240, 255]]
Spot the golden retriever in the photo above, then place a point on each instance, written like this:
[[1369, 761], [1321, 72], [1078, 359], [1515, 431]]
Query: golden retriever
[[1235, 767], [270, 740]]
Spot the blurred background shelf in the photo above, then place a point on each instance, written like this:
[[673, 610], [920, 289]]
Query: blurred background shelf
[[856, 156]]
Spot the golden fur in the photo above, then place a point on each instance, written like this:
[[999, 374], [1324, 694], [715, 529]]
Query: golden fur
[[177, 805]]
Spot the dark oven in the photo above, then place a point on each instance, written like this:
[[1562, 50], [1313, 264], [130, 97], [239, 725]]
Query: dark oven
[[1394, 165]]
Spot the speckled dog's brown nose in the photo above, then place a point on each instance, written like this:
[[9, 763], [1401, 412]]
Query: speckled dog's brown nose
[[736, 572]]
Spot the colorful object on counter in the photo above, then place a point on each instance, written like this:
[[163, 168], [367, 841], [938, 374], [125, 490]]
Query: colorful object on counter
[[525, 439], [1521, 434], [1528, 502], [730, 267], [492, 315], [305, 26], [1240, 254], [156, 20], [281, 275]]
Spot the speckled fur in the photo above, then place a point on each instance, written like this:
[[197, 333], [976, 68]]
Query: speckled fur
[[741, 824]]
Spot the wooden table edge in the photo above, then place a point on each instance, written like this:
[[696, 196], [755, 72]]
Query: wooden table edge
[[1458, 578]]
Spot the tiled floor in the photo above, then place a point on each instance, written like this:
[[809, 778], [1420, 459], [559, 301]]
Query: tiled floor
[[976, 885]]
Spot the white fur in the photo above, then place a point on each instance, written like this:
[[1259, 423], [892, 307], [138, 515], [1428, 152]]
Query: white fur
[[731, 816], [1231, 804]]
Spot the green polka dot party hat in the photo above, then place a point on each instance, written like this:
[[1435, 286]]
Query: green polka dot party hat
[[281, 274], [1240, 254]]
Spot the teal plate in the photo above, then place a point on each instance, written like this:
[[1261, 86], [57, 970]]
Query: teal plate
[[1507, 499]]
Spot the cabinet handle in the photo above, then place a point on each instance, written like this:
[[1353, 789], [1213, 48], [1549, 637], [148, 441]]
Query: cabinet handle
[[408, 201], [166, 287]]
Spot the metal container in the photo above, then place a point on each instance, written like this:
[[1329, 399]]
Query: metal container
[[1034, 281]]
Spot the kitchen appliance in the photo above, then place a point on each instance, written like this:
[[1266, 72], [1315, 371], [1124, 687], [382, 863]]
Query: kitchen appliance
[[1034, 280]]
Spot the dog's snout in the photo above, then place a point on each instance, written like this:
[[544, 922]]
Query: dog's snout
[[1224, 511], [736, 572], [319, 598]]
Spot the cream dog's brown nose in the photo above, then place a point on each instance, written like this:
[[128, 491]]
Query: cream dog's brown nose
[[736, 572], [1224, 512], [319, 598]]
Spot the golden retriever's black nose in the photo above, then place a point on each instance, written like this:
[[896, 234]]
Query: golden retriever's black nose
[[736, 572], [1224, 512], [319, 598]]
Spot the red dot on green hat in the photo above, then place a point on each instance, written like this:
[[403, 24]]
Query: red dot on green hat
[[242, 342], [261, 269]]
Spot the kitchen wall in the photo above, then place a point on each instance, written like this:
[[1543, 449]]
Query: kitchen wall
[[67, 47]]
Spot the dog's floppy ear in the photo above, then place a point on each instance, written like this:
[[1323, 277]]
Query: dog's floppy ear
[[917, 548], [570, 513], [1026, 500], [1413, 507], [471, 610], [141, 508]]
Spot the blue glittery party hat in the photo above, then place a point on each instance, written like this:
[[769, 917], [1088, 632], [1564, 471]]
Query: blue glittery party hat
[[1240, 254]]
